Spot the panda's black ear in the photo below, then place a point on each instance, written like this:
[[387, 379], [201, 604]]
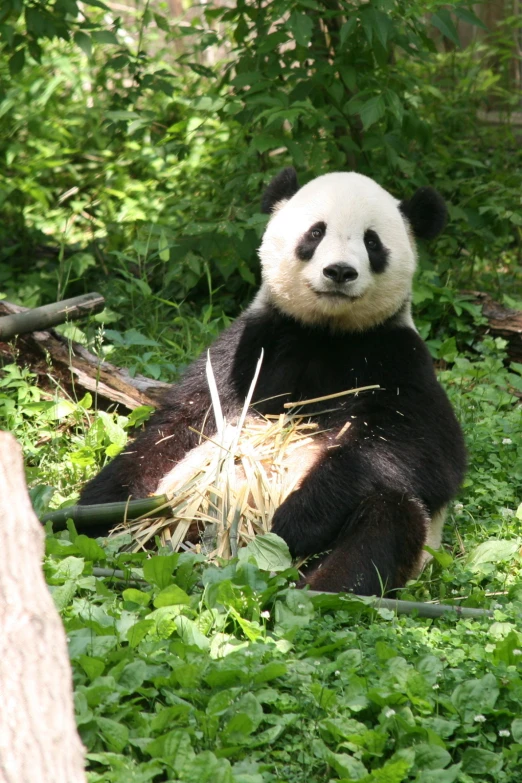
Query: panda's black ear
[[426, 212], [282, 187]]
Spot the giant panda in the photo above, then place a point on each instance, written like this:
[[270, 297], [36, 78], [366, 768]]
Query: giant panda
[[332, 313]]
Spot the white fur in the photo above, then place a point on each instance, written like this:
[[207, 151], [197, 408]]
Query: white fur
[[349, 204], [433, 538]]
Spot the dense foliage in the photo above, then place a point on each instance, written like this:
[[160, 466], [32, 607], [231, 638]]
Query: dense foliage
[[134, 150]]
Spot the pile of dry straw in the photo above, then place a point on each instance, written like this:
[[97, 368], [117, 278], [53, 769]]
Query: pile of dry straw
[[227, 489]]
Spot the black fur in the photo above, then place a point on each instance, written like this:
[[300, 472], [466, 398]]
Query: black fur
[[402, 454], [426, 213], [376, 535], [309, 243], [283, 186], [377, 253]]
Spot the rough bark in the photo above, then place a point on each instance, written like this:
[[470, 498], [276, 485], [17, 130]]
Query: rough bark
[[78, 370], [38, 737]]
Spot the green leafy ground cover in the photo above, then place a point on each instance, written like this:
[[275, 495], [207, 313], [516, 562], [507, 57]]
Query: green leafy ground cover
[[132, 163], [185, 671]]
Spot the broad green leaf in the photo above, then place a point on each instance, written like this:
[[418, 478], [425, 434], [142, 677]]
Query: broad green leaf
[[372, 111], [247, 716], [270, 553], [113, 429], [469, 16], [448, 350], [139, 631], [381, 24], [84, 42], [448, 775], [507, 650], [35, 21], [63, 595], [41, 496], [206, 768], [158, 569], [89, 548], [301, 26], [133, 675], [164, 620], [170, 596], [347, 29], [516, 730], [69, 568], [101, 645], [175, 746], [137, 596], [493, 551], [104, 37], [16, 62], [270, 672], [442, 557], [346, 766], [442, 21], [475, 697], [93, 667], [431, 756], [190, 633], [139, 415], [476, 761], [62, 409], [162, 23], [116, 735]]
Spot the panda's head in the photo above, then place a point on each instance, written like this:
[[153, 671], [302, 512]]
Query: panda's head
[[340, 251]]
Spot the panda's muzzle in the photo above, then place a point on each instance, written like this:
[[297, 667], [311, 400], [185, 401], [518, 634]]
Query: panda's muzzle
[[340, 273]]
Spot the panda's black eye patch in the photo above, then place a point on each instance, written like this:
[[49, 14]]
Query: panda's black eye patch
[[308, 243], [377, 253]]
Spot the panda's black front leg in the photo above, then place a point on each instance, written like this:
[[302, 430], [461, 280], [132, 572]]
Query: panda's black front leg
[[311, 518], [378, 549]]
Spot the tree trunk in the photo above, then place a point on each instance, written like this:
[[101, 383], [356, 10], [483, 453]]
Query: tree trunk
[[38, 737]]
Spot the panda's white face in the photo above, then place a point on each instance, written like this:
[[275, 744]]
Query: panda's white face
[[339, 253]]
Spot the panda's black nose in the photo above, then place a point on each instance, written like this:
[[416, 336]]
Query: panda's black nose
[[340, 273]]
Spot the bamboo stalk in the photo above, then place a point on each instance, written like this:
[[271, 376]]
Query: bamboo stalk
[[108, 513], [407, 607], [41, 318], [118, 576]]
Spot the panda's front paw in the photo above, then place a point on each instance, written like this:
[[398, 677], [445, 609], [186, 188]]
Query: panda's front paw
[[284, 526], [294, 526]]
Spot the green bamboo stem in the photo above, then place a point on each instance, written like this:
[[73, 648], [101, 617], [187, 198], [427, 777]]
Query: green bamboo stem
[[50, 315], [408, 607], [117, 575], [108, 513]]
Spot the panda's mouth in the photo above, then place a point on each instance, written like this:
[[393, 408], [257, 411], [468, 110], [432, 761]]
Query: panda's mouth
[[336, 294]]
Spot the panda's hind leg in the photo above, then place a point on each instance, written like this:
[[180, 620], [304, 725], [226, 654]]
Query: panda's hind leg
[[378, 549]]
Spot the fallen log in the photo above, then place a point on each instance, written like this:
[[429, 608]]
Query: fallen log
[[502, 322], [38, 738], [78, 370]]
